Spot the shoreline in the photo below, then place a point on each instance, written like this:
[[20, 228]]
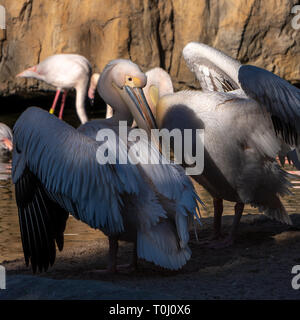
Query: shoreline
[[258, 266]]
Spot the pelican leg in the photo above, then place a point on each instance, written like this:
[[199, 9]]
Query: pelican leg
[[217, 234], [131, 267], [62, 104], [52, 109], [218, 211], [112, 257], [229, 241], [238, 208]]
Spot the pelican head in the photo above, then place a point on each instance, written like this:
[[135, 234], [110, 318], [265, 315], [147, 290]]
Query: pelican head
[[121, 86]]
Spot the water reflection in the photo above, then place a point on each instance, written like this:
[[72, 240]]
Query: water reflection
[[9, 233], [10, 239]]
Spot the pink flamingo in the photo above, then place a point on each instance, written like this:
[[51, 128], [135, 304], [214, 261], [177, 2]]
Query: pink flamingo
[[64, 71]]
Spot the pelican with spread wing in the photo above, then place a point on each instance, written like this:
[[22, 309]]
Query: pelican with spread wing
[[246, 113], [56, 172]]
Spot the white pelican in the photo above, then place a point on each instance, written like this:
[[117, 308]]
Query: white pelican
[[159, 84], [150, 205], [241, 143], [5, 138], [64, 71]]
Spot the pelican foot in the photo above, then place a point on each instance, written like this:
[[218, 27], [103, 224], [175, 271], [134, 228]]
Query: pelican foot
[[123, 268], [126, 268], [104, 271], [221, 244], [213, 238]]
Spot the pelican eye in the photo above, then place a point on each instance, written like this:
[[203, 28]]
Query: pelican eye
[[133, 81]]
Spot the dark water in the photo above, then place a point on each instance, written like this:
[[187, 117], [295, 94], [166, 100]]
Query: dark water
[[76, 232]]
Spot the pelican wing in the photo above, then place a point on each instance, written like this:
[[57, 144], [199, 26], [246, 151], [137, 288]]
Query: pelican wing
[[165, 206], [42, 222], [280, 98], [163, 222], [215, 70], [63, 161], [168, 178]]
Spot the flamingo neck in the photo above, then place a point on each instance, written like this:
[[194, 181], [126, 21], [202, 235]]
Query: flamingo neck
[[80, 107]]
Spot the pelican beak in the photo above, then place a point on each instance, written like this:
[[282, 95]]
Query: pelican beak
[[135, 99]]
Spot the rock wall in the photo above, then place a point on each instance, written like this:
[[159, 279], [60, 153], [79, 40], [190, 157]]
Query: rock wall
[[150, 32]]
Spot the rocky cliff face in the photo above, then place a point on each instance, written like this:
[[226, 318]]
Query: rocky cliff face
[[150, 32]]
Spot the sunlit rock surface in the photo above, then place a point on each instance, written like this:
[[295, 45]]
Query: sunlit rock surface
[[150, 32]]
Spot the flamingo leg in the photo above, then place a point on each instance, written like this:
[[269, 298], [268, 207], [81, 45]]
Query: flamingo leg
[[54, 101], [63, 104]]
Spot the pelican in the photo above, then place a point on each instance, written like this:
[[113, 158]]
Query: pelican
[[246, 112], [5, 138], [64, 71], [159, 84], [149, 205]]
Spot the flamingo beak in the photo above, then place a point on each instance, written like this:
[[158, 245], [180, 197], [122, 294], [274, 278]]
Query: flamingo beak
[[20, 75], [30, 72]]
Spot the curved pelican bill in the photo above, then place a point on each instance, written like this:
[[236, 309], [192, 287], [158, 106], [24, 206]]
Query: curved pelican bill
[[139, 108]]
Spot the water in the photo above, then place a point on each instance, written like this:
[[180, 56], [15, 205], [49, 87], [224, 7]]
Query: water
[[76, 231]]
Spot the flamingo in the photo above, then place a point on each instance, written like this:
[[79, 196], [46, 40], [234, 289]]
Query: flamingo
[[5, 138], [64, 71], [247, 113], [149, 205]]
